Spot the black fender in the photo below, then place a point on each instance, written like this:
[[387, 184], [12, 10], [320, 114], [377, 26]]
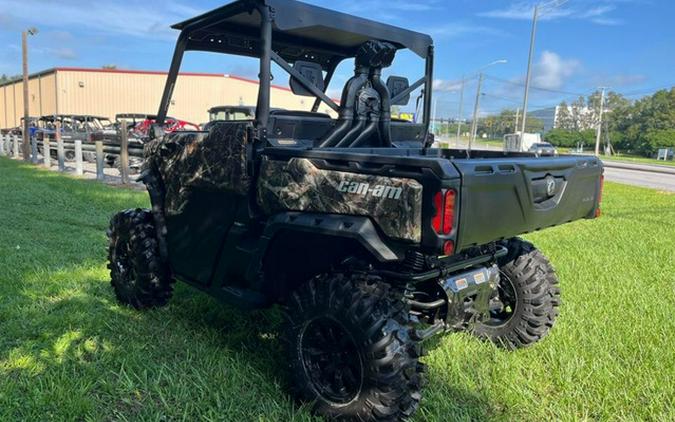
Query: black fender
[[153, 183], [358, 228]]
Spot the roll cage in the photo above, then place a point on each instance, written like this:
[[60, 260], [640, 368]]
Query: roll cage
[[287, 32]]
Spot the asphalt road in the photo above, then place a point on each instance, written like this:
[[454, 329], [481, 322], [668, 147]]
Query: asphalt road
[[649, 176], [648, 179]]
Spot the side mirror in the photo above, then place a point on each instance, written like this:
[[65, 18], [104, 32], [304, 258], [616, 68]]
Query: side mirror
[[396, 85], [312, 72]]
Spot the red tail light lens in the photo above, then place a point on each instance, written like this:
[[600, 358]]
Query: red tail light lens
[[444, 217], [449, 248], [449, 211], [438, 214]]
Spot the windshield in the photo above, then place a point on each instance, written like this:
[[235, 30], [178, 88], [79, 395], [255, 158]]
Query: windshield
[[231, 115]]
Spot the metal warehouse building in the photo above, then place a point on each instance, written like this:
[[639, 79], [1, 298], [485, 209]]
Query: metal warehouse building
[[106, 92]]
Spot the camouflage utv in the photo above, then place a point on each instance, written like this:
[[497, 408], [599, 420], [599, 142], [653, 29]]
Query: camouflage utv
[[367, 238]]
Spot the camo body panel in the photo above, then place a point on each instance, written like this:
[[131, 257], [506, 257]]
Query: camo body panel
[[212, 161], [395, 204]]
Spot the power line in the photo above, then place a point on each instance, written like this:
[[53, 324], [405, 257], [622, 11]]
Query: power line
[[512, 100], [538, 106], [646, 91], [506, 81]]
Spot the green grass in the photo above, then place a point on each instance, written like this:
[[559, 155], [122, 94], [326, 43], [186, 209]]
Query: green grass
[[68, 351], [637, 159]]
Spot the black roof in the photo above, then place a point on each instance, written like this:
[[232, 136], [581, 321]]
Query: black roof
[[300, 31], [133, 116], [247, 109], [52, 117]]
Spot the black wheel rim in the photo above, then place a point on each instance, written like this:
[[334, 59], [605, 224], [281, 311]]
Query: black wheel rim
[[122, 266], [500, 315], [331, 361]]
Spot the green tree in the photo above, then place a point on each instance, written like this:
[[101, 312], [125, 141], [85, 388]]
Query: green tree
[[564, 119], [645, 125], [4, 78], [579, 114], [570, 138]]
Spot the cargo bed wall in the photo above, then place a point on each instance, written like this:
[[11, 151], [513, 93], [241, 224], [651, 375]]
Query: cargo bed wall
[[502, 198]]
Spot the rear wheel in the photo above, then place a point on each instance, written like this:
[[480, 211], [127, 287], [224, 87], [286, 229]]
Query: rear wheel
[[138, 275], [349, 349], [528, 299]]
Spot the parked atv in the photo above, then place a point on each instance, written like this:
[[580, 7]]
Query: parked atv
[[73, 128], [369, 240]]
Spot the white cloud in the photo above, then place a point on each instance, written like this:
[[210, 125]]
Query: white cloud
[[391, 11], [619, 80], [458, 29], [387, 6], [150, 20], [442, 85], [597, 11], [523, 10], [552, 71], [64, 53], [607, 21]]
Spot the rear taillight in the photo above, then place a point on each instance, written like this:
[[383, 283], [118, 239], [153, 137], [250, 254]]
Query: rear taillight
[[598, 212], [438, 214], [448, 211], [448, 248], [444, 216]]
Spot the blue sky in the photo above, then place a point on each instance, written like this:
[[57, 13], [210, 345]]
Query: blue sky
[[628, 45]]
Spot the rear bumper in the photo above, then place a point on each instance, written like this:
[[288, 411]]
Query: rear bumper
[[445, 265]]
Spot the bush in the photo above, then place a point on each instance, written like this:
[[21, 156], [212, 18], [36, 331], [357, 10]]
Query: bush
[[570, 138], [650, 142]]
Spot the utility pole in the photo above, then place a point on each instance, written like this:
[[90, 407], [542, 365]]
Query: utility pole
[[461, 103], [538, 9], [433, 116], [517, 116], [474, 123], [529, 67], [599, 130], [26, 134], [26, 105]]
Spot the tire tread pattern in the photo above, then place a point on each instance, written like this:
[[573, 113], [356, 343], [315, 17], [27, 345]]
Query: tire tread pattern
[[148, 284], [377, 318], [538, 296]]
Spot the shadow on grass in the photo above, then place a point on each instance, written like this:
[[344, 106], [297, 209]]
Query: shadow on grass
[[70, 352], [138, 365]]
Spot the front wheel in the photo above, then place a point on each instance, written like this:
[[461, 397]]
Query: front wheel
[[349, 349], [138, 275], [528, 298]]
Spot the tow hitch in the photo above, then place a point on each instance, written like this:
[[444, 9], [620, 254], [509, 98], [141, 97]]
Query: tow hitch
[[460, 300]]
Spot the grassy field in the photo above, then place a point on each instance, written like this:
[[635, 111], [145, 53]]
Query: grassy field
[[638, 160], [69, 352]]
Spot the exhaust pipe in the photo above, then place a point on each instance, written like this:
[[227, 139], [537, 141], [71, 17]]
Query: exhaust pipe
[[366, 134], [385, 105], [347, 103], [352, 134]]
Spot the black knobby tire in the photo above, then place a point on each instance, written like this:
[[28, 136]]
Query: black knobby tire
[[531, 297], [349, 349], [138, 276]]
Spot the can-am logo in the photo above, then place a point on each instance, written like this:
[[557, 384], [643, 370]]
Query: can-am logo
[[377, 191]]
